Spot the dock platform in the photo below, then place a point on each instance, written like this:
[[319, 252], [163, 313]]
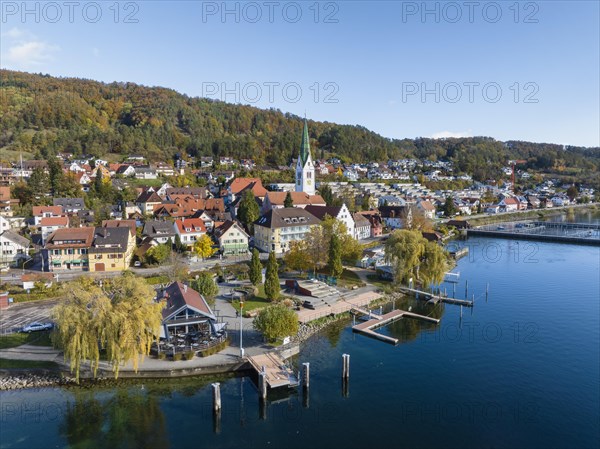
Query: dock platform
[[367, 327], [277, 373], [435, 299]]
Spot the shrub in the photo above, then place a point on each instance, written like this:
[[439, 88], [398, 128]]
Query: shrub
[[177, 356], [189, 355], [161, 356]]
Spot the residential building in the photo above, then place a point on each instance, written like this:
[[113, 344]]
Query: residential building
[[130, 224], [340, 213], [239, 185], [13, 249], [6, 202], [232, 238], [112, 249], [147, 200], [509, 204], [189, 230], [375, 221], [305, 169], [69, 205], [427, 209], [40, 212], [276, 200], [51, 224], [67, 249], [362, 227], [396, 217], [276, 229], [159, 230]]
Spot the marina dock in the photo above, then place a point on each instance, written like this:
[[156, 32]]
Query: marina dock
[[367, 328], [435, 299], [277, 372], [581, 233]]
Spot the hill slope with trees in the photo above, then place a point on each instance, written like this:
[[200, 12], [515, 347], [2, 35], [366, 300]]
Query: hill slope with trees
[[42, 115]]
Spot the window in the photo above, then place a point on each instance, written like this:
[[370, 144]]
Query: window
[[56, 252]]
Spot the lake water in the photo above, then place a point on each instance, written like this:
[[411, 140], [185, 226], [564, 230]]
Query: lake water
[[519, 370]]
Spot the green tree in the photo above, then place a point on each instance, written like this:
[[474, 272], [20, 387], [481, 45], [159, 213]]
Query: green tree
[[179, 246], [248, 211], [449, 207], [206, 286], [288, 201], [572, 192], [276, 321], [404, 250], [298, 257], [120, 317], [434, 264], [158, 254], [203, 247], [255, 273], [39, 182], [335, 256], [326, 194], [272, 287]]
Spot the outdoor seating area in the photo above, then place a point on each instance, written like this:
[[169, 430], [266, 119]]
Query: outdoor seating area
[[191, 342]]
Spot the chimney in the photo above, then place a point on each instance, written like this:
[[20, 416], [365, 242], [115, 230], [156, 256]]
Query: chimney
[[184, 288]]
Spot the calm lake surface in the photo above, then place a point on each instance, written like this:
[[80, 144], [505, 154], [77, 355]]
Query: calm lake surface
[[519, 370]]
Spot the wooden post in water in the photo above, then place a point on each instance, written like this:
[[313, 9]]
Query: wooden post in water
[[262, 385], [345, 388], [216, 389], [454, 290], [306, 374], [461, 311], [467, 289], [345, 366], [487, 291]]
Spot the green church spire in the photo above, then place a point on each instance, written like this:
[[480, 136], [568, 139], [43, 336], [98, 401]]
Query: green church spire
[[305, 146]]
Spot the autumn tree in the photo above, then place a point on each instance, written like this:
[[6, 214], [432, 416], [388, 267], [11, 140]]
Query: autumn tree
[[272, 287], [298, 257], [248, 211], [203, 247], [120, 317]]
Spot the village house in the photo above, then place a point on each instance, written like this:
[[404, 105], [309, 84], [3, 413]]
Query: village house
[[232, 238], [427, 209], [13, 249], [69, 205], [276, 229], [240, 185], [189, 230], [276, 200], [50, 224], [396, 217], [362, 227], [40, 212], [6, 202], [375, 221], [111, 249], [340, 213], [159, 231], [147, 201], [67, 249]]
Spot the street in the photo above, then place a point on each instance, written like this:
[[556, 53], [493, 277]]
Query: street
[[22, 314]]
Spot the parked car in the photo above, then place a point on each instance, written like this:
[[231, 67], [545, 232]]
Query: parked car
[[34, 327]]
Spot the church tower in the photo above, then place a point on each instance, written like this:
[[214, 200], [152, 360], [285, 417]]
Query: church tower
[[305, 168]]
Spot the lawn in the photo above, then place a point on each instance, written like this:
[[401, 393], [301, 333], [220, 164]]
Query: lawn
[[155, 280], [378, 282], [24, 364], [257, 301], [34, 338]]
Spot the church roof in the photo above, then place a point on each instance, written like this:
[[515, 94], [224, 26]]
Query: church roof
[[305, 145]]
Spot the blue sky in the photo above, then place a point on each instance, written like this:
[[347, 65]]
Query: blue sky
[[509, 70]]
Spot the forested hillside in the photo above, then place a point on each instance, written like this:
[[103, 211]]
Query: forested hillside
[[42, 115]]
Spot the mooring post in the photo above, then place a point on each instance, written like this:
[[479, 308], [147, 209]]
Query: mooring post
[[461, 310], [262, 385], [467, 289], [306, 374], [473, 301], [216, 388], [487, 291], [345, 366], [345, 387], [453, 290], [353, 319]]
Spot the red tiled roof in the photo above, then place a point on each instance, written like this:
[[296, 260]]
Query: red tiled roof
[[190, 223], [298, 198], [240, 184], [54, 221], [39, 210]]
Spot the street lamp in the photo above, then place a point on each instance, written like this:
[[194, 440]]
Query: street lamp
[[241, 326]]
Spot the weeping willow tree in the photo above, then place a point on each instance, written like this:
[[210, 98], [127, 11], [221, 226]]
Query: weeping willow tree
[[119, 318], [412, 256]]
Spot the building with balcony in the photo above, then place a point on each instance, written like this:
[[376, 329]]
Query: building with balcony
[[276, 229]]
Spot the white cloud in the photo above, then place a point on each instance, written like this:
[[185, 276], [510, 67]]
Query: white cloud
[[446, 134], [23, 50]]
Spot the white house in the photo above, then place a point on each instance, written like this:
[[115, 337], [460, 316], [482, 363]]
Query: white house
[[427, 209], [362, 227], [51, 224], [13, 248], [232, 238], [40, 212], [189, 230], [4, 224], [340, 213]]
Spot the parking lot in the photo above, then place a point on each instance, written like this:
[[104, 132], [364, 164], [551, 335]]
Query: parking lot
[[19, 315]]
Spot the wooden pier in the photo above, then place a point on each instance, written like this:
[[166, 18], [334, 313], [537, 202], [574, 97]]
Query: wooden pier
[[367, 327], [435, 299], [277, 373]]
